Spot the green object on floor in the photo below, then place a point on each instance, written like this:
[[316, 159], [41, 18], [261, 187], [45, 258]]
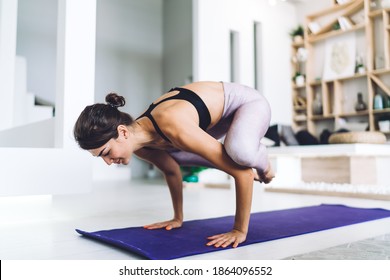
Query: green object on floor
[[192, 178], [190, 173]]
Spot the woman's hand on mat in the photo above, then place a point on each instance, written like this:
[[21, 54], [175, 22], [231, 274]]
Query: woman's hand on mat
[[224, 240], [168, 225]]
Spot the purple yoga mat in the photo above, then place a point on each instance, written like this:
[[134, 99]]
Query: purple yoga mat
[[190, 239]]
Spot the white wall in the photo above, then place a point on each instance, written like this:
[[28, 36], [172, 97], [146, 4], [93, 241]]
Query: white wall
[[214, 21], [8, 22], [129, 51], [40, 135], [129, 56], [36, 41], [309, 7], [177, 43]]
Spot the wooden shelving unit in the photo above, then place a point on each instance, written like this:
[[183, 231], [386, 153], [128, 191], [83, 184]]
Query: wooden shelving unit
[[298, 90], [353, 23]]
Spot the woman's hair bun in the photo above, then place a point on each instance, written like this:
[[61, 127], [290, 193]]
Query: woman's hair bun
[[115, 100]]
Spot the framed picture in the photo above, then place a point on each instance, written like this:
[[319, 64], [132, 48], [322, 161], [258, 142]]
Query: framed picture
[[340, 53]]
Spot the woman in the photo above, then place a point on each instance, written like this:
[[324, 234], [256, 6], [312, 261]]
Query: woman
[[182, 127]]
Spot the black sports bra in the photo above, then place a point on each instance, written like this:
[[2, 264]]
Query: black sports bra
[[184, 94]]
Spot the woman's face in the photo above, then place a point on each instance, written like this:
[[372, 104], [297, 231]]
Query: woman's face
[[116, 151]]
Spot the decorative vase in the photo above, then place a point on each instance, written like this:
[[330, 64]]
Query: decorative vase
[[379, 61], [300, 80], [317, 104], [386, 102], [374, 4], [360, 104], [378, 101], [359, 67], [361, 70]]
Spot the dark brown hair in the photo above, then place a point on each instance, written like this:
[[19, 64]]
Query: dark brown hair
[[98, 123]]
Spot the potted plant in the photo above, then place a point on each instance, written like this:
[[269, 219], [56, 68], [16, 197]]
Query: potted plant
[[359, 66], [299, 79], [336, 26], [297, 34]]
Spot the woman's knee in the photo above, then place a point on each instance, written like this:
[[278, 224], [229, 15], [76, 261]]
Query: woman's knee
[[248, 157]]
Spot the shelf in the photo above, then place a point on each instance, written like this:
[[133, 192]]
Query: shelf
[[355, 76], [354, 114], [299, 87], [375, 13], [299, 108], [298, 45], [378, 13], [371, 29], [316, 38], [383, 111], [300, 119], [322, 118], [315, 83], [381, 71], [325, 31], [330, 10]]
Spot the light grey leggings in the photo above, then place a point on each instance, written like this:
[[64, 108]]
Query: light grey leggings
[[244, 122]]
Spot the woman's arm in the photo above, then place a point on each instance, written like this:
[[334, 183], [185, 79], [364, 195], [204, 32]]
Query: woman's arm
[[195, 140], [171, 171]]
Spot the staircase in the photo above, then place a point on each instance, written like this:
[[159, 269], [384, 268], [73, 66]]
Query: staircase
[[36, 121], [32, 165], [25, 109], [38, 153]]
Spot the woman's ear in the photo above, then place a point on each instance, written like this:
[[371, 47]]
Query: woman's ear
[[123, 131]]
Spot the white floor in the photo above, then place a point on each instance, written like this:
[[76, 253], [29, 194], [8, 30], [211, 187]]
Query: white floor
[[43, 227]]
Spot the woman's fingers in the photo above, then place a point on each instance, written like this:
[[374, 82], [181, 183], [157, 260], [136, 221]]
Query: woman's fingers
[[233, 238], [151, 227], [168, 225], [224, 240]]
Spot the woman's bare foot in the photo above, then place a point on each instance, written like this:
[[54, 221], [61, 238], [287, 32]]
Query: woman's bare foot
[[265, 177], [257, 177]]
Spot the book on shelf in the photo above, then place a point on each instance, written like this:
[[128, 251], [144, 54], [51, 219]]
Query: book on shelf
[[314, 27], [358, 17], [345, 23]]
